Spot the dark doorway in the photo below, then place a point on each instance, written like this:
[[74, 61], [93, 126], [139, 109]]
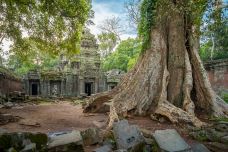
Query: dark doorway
[[88, 88], [34, 89]]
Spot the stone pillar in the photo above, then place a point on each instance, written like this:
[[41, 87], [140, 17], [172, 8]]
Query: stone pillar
[[27, 87], [41, 88], [96, 85], [48, 88], [81, 86], [62, 87]]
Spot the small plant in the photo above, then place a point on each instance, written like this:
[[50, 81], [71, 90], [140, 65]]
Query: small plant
[[225, 97]]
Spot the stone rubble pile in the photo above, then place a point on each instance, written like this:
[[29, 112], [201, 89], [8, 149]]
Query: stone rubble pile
[[122, 138], [214, 137]]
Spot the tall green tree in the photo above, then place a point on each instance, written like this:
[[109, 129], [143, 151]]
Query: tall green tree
[[110, 35], [215, 32], [54, 25], [124, 57]]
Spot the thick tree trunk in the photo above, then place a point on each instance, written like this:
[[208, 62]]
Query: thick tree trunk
[[168, 79]]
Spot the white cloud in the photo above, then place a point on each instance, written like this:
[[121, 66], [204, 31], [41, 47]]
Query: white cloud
[[108, 10]]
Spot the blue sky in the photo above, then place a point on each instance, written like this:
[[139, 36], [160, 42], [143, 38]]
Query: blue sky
[[107, 9]]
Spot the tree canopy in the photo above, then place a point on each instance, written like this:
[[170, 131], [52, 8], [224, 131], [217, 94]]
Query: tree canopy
[[125, 55], [52, 25]]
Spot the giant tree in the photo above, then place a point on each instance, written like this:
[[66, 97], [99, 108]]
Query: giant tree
[[169, 78]]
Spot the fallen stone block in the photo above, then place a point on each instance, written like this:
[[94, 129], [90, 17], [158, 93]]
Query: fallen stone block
[[20, 140], [215, 146], [7, 118], [221, 127], [199, 148], [29, 148], [127, 136], [170, 141], [224, 139], [65, 141], [105, 148], [8, 105], [91, 136]]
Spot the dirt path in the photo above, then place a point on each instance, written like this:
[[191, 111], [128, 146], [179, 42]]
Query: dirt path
[[51, 117], [64, 116]]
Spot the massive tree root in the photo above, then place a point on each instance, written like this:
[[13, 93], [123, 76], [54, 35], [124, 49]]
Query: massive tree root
[[169, 78]]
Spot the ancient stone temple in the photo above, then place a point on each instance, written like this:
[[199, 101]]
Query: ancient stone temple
[[79, 75], [113, 78]]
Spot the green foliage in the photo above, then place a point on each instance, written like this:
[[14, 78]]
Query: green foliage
[[32, 58], [214, 36], [107, 42], [54, 25], [147, 15], [225, 97], [124, 57]]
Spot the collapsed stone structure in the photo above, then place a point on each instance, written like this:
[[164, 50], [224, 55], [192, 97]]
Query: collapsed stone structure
[[9, 83], [79, 75]]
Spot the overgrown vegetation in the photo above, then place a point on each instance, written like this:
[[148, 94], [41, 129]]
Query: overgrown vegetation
[[148, 13]]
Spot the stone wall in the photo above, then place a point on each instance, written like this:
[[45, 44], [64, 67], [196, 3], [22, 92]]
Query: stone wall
[[9, 83], [217, 71]]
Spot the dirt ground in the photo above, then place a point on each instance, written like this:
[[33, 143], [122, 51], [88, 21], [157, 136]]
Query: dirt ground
[[62, 116]]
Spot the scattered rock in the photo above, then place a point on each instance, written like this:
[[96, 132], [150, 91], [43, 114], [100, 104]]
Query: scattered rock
[[221, 127], [224, 139], [11, 150], [40, 139], [105, 148], [146, 133], [1, 106], [149, 141], [29, 123], [91, 136], [18, 141], [8, 105], [169, 140], [29, 148], [127, 136], [199, 148], [2, 131], [214, 135], [215, 146], [65, 141], [7, 118]]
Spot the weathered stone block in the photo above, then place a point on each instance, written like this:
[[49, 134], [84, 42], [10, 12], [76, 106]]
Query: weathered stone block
[[105, 148], [224, 140], [127, 137], [29, 148], [199, 148], [91, 136], [170, 141], [20, 140], [65, 141]]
